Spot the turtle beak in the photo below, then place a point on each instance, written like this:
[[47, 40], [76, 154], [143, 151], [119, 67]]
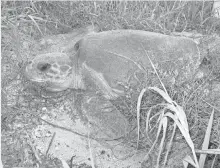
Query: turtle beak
[[27, 69]]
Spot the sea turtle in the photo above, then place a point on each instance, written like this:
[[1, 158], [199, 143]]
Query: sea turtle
[[108, 61]]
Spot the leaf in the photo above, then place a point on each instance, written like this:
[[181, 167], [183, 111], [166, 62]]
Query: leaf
[[209, 151], [64, 163], [152, 64], [206, 141], [162, 93], [31, 17], [180, 115], [164, 124], [188, 160], [185, 134], [182, 130], [169, 145], [138, 112], [147, 124], [152, 147]]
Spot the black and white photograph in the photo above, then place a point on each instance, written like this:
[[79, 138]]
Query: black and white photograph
[[110, 84]]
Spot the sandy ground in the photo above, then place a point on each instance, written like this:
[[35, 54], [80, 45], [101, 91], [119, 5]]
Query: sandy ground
[[67, 144]]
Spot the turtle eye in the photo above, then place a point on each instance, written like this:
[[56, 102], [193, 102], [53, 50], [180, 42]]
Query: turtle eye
[[43, 66]]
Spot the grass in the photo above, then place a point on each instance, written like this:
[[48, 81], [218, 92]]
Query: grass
[[24, 21]]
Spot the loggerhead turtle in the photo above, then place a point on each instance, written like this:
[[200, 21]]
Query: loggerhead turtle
[[108, 61]]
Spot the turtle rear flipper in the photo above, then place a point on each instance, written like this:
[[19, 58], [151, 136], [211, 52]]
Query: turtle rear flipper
[[105, 120]]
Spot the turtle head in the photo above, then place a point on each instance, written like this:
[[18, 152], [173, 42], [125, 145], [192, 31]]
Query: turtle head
[[54, 71]]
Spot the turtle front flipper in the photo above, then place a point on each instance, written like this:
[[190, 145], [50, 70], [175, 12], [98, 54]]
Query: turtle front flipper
[[100, 82]]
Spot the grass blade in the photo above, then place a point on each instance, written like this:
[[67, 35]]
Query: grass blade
[[185, 134], [154, 69], [138, 112], [180, 115], [64, 163], [164, 124], [162, 93], [158, 133], [206, 141], [31, 17], [188, 160]]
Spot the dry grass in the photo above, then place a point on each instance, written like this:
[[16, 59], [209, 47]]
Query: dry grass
[[25, 21]]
